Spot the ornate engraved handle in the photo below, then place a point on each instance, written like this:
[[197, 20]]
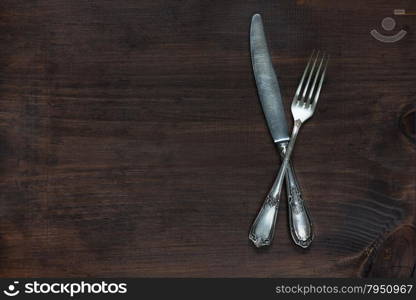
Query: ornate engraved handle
[[299, 219], [262, 230]]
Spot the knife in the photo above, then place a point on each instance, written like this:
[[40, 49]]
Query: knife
[[262, 230]]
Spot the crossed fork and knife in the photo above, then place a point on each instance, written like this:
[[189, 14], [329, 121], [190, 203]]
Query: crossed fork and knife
[[303, 107]]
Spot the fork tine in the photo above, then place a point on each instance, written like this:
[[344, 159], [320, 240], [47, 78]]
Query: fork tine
[[317, 74], [296, 98], [305, 89], [318, 91]]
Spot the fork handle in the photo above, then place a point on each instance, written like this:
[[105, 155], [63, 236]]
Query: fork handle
[[262, 230], [300, 224]]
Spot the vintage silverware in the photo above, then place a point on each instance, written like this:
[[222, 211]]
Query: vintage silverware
[[271, 100], [303, 106]]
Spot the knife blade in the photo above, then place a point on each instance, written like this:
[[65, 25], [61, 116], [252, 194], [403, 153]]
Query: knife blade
[[262, 231], [267, 85]]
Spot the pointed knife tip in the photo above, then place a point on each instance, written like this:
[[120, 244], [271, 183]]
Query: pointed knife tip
[[256, 16]]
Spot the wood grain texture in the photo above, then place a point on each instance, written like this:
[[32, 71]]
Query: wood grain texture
[[132, 141]]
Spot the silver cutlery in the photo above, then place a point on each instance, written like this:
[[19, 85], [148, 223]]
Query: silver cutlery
[[271, 100], [303, 107]]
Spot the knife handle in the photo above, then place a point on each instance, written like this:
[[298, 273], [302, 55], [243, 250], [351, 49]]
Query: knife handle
[[299, 218], [262, 230], [261, 233]]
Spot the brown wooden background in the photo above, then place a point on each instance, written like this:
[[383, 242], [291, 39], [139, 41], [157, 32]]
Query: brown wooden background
[[132, 141]]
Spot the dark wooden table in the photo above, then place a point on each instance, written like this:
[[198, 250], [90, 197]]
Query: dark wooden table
[[132, 141]]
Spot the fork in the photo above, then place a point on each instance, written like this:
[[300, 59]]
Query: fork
[[303, 107]]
